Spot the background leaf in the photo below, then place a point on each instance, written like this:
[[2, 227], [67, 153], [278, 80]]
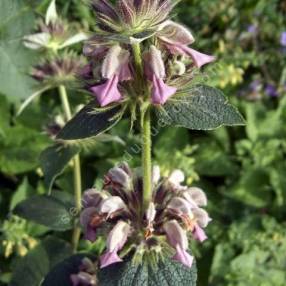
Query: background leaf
[[54, 159], [16, 20], [45, 210], [20, 149], [60, 274], [31, 269]]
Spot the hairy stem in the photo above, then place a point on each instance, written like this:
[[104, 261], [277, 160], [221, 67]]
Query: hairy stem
[[146, 158], [76, 169], [145, 132]]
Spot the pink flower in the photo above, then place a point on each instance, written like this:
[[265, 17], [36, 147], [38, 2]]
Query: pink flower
[[199, 59], [194, 218], [115, 241], [202, 220], [199, 234], [176, 38], [115, 69], [177, 238], [155, 72]]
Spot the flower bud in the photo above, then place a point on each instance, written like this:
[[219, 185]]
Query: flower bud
[[156, 175], [119, 176], [112, 205], [180, 207], [151, 213], [195, 196], [177, 177], [173, 33], [93, 198], [201, 217], [111, 62]]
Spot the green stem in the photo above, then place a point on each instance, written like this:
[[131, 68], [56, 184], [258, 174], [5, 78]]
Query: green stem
[[138, 60], [146, 158], [145, 132], [76, 169]]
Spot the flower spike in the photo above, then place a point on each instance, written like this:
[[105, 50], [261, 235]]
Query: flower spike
[[173, 215]]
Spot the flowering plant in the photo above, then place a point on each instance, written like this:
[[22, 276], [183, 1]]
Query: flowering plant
[[139, 65]]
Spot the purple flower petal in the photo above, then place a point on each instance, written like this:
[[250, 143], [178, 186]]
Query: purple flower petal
[[108, 92], [92, 198], [125, 72], [271, 90], [252, 29], [199, 234], [199, 59], [183, 256], [283, 39], [90, 234], [115, 241], [160, 91], [177, 238], [109, 258], [85, 220]]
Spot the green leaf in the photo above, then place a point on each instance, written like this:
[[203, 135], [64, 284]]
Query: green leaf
[[32, 268], [16, 20], [45, 210], [201, 108], [167, 273], [252, 188], [4, 115], [21, 193], [89, 123], [20, 148], [54, 159], [213, 160], [60, 274]]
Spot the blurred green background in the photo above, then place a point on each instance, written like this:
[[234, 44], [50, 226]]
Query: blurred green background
[[242, 169]]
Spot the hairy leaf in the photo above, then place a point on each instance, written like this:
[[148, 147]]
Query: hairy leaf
[[201, 108], [89, 123], [167, 273]]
